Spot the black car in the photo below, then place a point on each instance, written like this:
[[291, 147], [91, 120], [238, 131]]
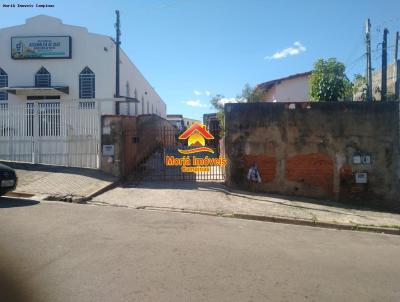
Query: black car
[[8, 179]]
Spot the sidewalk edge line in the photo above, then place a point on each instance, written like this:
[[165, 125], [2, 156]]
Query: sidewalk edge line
[[284, 220]]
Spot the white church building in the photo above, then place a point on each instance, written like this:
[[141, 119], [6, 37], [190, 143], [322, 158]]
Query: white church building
[[56, 81], [45, 59]]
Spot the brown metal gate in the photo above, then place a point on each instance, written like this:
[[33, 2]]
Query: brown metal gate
[[154, 147]]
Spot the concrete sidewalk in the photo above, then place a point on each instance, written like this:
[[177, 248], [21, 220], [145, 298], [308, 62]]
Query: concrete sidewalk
[[59, 183], [211, 198]]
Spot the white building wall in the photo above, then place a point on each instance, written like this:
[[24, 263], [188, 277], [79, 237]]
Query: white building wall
[[88, 49], [270, 95], [293, 90], [129, 74]]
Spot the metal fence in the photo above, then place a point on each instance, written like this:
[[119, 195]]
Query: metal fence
[[157, 145], [65, 133]]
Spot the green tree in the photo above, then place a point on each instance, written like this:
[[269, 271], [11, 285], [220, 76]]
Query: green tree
[[348, 91], [359, 87], [328, 81], [249, 94], [217, 102]]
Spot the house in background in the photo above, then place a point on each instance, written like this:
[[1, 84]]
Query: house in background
[[189, 121], [211, 121], [181, 122], [293, 88], [392, 74]]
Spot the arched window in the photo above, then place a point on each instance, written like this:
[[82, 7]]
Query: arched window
[[142, 104], [3, 83], [87, 84], [42, 78]]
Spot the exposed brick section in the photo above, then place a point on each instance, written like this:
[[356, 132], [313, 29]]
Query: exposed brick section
[[338, 130], [266, 166], [314, 169]]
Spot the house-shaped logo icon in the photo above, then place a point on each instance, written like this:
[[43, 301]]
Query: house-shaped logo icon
[[196, 135]]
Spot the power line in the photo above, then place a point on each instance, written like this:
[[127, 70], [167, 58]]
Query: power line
[[359, 43], [355, 62], [385, 23]]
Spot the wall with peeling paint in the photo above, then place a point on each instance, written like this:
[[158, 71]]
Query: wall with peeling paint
[[317, 150]]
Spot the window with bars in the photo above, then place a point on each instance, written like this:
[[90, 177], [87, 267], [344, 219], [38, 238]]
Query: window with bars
[[3, 83], [86, 84], [87, 105], [42, 78]]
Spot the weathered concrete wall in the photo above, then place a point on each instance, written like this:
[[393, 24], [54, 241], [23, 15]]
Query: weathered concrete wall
[[310, 150], [392, 71], [113, 135], [133, 138]]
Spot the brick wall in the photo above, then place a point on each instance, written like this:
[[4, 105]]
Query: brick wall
[[317, 149]]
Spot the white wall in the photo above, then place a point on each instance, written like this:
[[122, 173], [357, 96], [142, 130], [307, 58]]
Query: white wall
[[88, 49], [290, 90], [188, 121], [131, 75], [293, 90], [270, 95]]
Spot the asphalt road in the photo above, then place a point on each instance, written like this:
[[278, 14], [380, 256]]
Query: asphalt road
[[68, 252]]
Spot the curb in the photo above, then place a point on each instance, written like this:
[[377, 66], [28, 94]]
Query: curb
[[327, 225], [284, 220], [81, 199], [64, 198], [108, 187], [17, 194]]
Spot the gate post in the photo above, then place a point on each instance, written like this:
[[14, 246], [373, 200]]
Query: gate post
[[122, 148], [35, 132]]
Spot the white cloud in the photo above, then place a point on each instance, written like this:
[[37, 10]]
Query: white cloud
[[224, 101], [194, 103], [296, 49], [196, 92], [208, 93]]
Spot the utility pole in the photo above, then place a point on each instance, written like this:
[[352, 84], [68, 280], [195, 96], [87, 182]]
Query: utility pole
[[396, 67], [117, 61], [384, 66], [368, 72]]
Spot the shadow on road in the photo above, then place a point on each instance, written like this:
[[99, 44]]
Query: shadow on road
[[6, 202], [26, 167]]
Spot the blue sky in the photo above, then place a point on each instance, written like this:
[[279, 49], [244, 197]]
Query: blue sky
[[190, 50]]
